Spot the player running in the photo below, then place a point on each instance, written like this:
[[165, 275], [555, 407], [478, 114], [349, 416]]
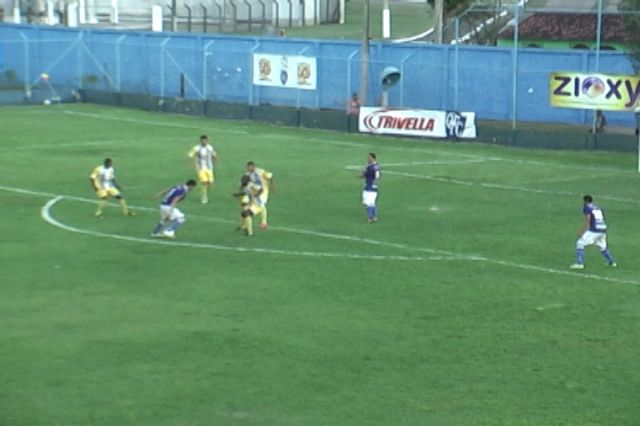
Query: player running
[[250, 196], [592, 232], [169, 212], [266, 180], [371, 175], [103, 181], [205, 159]]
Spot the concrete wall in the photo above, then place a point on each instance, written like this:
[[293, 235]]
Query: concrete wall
[[465, 78]]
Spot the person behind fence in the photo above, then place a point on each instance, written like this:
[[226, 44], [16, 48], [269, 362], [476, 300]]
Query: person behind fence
[[601, 121], [353, 112]]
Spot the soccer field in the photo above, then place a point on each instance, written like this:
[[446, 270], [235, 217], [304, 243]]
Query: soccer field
[[456, 308]]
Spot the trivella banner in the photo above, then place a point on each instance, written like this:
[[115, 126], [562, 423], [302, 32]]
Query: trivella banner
[[418, 122], [293, 72], [594, 91]]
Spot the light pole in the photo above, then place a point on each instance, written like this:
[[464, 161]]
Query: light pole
[[637, 114], [364, 56]]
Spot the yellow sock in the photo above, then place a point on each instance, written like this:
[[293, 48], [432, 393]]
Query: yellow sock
[[263, 216], [248, 225], [101, 205], [123, 204]]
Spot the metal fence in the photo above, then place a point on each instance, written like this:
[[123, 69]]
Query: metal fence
[[498, 83]]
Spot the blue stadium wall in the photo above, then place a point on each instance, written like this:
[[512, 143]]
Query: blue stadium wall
[[218, 67]]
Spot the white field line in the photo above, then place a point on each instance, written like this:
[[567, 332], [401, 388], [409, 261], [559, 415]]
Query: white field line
[[47, 216], [149, 122], [579, 177], [503, 187], [449, 255], [304, 138], [428, 163], [81, 144], [56, 146]]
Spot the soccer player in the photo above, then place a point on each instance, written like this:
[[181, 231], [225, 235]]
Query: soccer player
[[249, 194], [592, 232], [205, 159], [371, 175], [169, 212], [266, 180], [103, 181]]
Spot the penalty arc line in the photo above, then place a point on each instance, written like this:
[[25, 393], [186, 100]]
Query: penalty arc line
[[45, 213], [454, 256]]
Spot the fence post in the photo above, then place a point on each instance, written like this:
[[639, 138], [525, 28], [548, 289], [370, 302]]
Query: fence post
[[220, 16], [290, 13], [79, 44], [162, 48], [204, 18], [119, 62], [26, 77], [188, 17], [264, 11], [115, 12], [251, 88], [234, 12], [275, 20], [456, 70], [156, 18], [205, 55], [250, 18], [174, 16], [514, 89]]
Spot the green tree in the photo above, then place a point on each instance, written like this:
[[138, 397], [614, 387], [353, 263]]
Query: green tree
[[632, 27], [450, 5]]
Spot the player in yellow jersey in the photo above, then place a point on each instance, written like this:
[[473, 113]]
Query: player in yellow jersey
[[205, 159], [103, 181], [266, 180], [249, 195]]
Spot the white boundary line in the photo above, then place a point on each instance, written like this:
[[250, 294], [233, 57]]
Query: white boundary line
[[428, 163], [45, 212], [489, 185], [453, 256], [424, 149]]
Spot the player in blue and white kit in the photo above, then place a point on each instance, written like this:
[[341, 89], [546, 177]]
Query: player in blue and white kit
[[371, 175], [169, 212], [592, 232]]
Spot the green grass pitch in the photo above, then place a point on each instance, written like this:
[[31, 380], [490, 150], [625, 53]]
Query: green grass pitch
[[456, 308]]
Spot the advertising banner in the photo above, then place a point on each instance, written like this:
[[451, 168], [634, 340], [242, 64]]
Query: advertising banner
[[594, 91], [293, 72], [418, 122]]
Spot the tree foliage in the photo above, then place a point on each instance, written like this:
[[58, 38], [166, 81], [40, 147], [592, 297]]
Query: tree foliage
[[450, 4], [632, 27]]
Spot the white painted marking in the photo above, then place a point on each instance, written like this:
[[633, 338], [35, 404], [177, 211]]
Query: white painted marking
[[396, 245], [489, 185], [88, 143], [47, 216], [54, 146], [429, 163], [305, 139], [149, 122]]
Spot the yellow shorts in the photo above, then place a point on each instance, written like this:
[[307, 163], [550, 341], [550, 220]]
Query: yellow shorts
[[264, 197], [109, 192], [255, 209], [205, 176]]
